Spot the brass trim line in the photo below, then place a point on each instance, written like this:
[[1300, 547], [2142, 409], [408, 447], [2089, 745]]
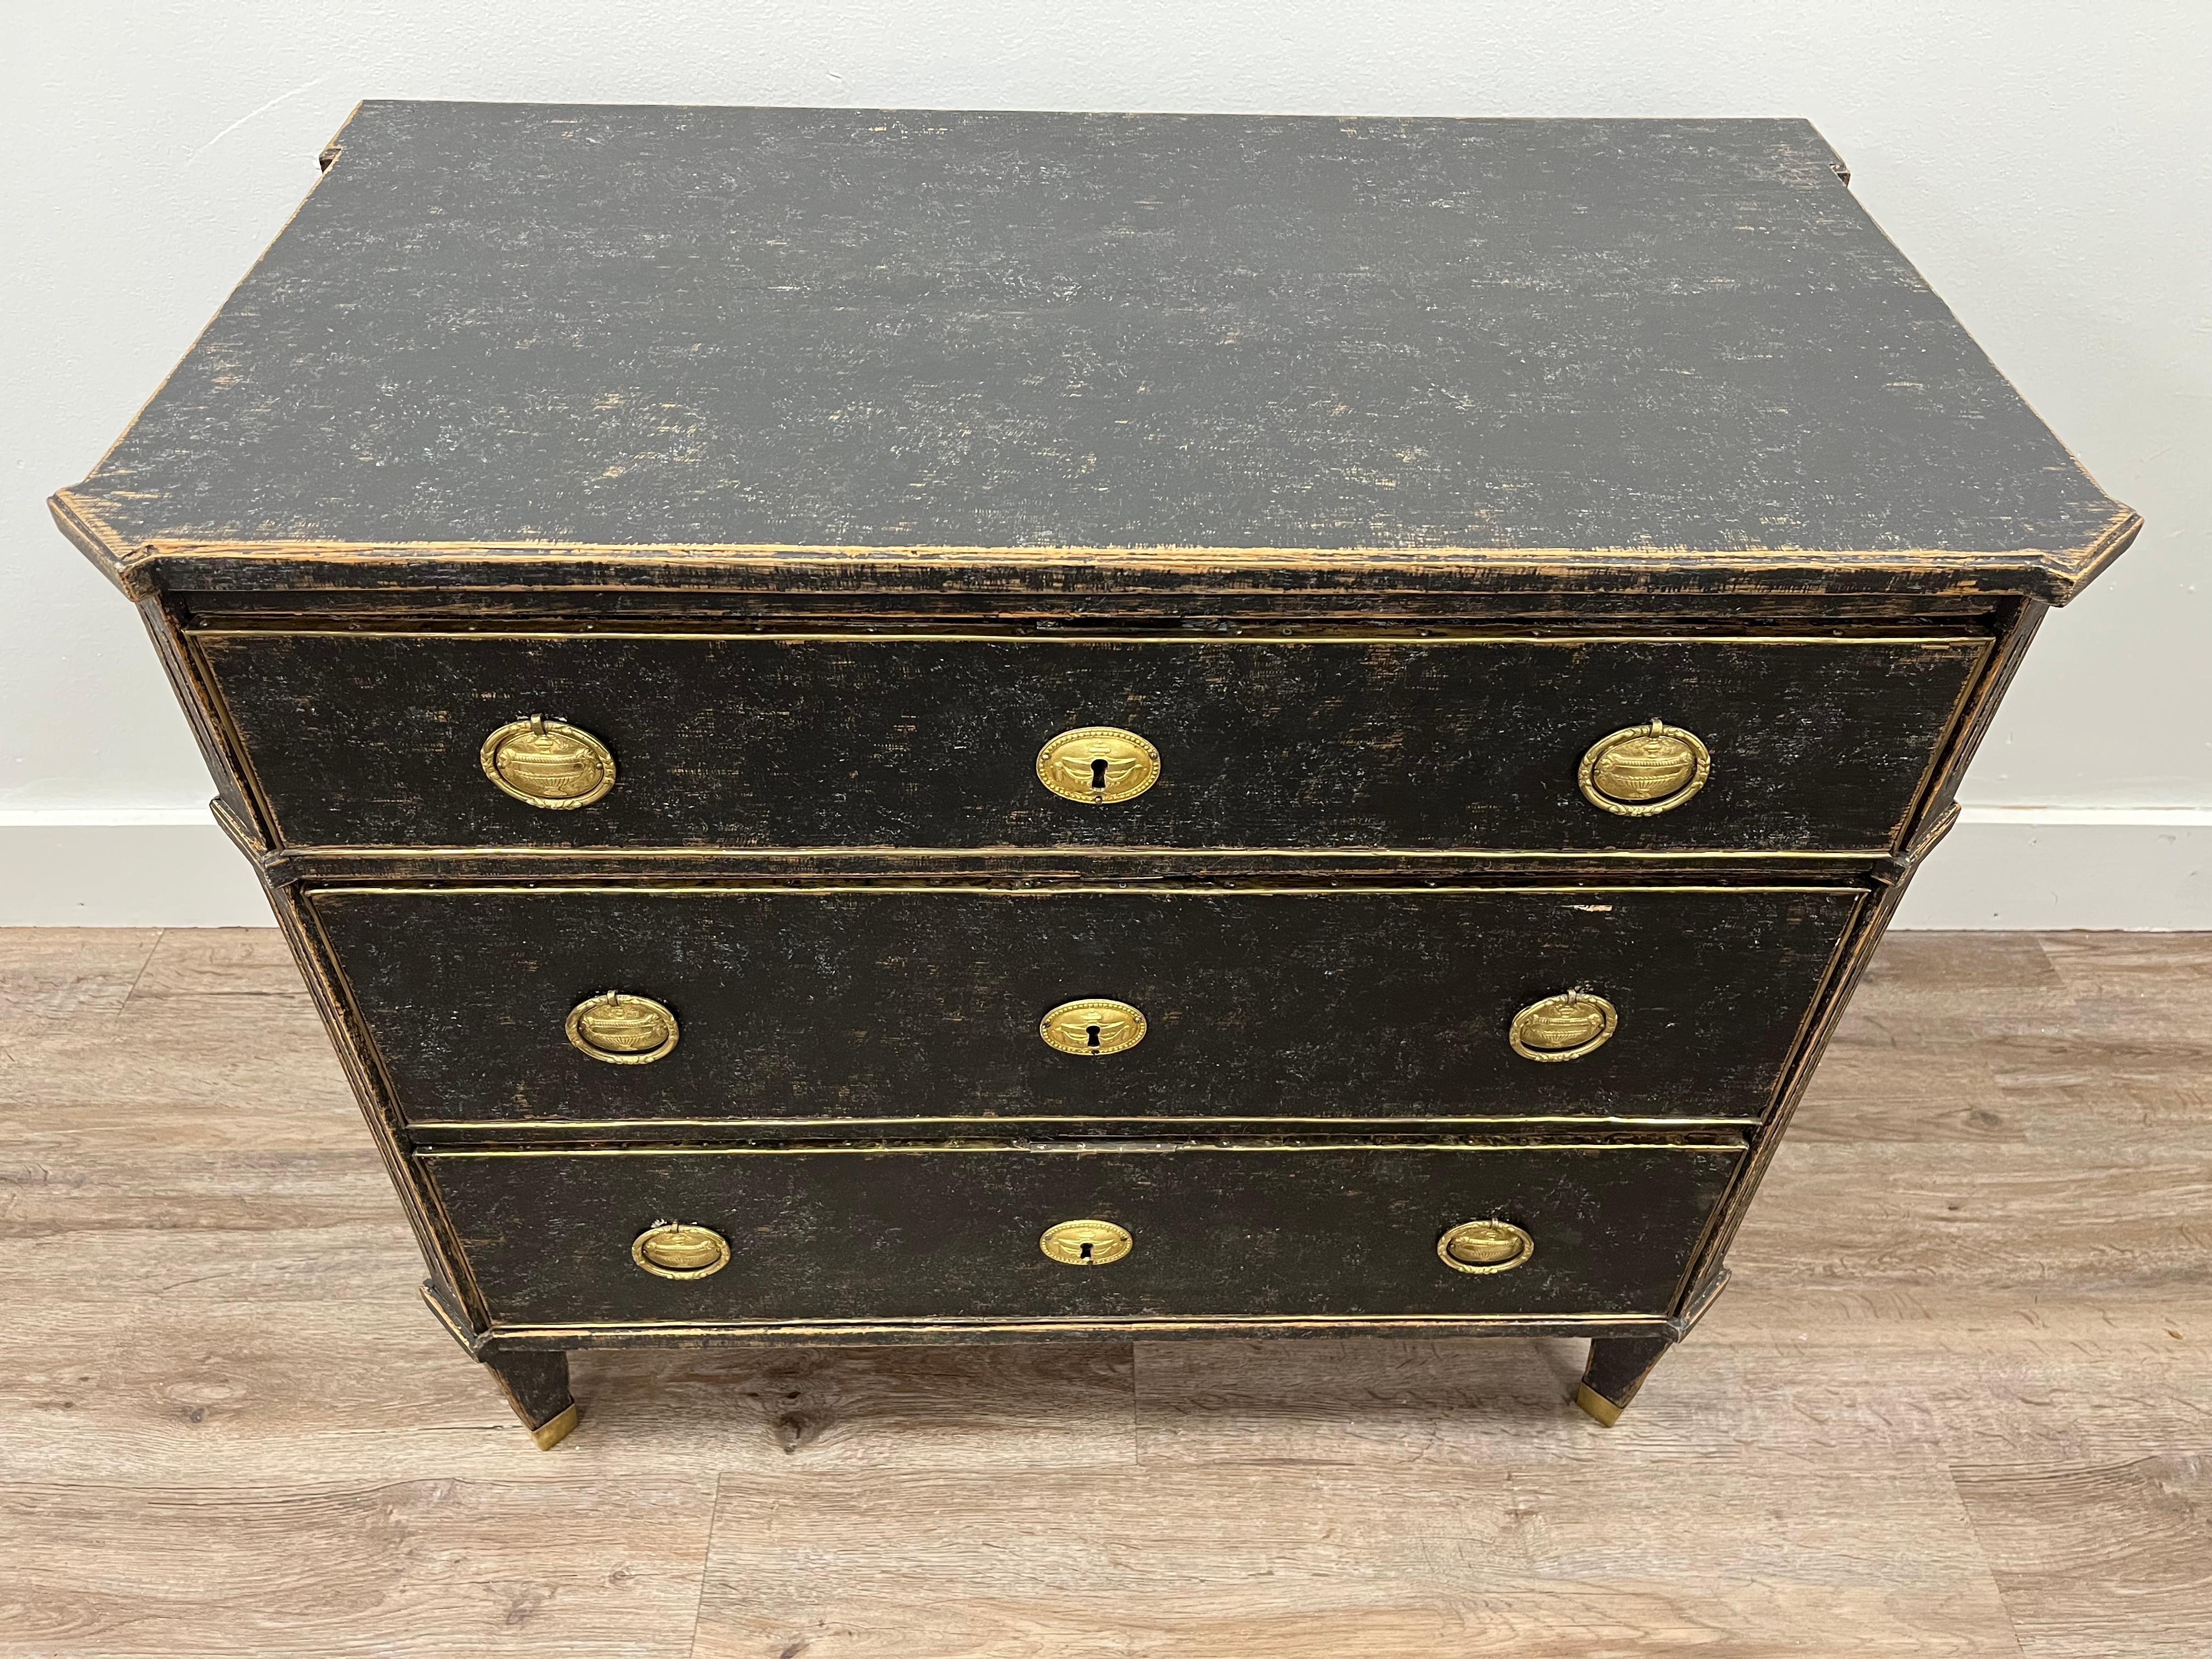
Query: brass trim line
[[679, 889], [546, 1127], [1071, 850], [1351, 636], [1733, 1148], [581, 1332]]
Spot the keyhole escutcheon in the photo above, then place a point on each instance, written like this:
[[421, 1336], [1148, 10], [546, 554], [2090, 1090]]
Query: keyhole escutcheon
[[1086, 1243], [1093, 1027], [1098, 765]]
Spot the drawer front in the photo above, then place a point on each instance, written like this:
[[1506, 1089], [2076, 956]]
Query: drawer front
[[933, 742], [554, 1238], [885, 1003]]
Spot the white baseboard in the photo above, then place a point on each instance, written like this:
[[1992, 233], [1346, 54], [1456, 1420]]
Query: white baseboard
[[2047, 868], [2003, 867], [158, 867]]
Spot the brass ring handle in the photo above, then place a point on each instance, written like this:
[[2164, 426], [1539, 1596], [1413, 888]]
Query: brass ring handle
[[1098, 765], [1093, 1026], [549, 764], [1563, 1027], [1484, 1247], [1086, 1243], [1641, 770], [621, 1029], [674, 1250]]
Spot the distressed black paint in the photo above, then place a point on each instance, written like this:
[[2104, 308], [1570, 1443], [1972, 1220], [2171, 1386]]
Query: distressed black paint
[[736, 742], [564, 370], [505, 323], [863, 1235], [1329, 1004]]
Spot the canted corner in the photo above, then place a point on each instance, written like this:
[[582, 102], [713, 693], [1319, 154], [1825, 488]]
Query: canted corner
[[92, 536], [447, 1310], [2069, 572]]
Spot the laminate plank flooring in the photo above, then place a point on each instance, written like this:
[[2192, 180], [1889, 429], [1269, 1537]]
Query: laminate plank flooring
[[1958, 1399]]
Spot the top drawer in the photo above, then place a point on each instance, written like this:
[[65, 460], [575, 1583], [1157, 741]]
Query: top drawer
[[1475, 742]]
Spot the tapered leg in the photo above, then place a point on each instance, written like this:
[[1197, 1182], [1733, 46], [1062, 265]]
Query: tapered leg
[[537, 1386], [1617, 1368]]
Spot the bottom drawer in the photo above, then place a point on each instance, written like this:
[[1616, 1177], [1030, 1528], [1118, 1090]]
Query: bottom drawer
[[937, 1232]]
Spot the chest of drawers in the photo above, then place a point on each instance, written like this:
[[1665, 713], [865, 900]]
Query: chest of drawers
[[890, 727]]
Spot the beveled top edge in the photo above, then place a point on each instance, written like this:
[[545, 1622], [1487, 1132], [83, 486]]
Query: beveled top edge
[[2054, 576], [848, 337]]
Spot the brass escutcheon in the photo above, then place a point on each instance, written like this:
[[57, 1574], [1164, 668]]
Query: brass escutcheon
[[1086, 1243], [1640, 770], [621, 1029], [1099, 764], [1563, 1027], [1484, 1247], [672, 1250], [548, 764], [1093, 1026]]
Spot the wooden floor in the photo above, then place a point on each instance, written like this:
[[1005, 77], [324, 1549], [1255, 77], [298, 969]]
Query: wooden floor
[[1957, 1400]]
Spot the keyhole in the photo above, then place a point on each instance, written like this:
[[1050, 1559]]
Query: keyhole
[[1098, 776], [1086, 1254], [1093, 1030]]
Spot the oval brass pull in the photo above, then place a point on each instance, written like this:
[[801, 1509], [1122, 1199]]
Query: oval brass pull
[[1086, 1243], [1640, 770], [1093, 1026], [1563, 1027], [673, 1250], [1484, 1247], [621, 1029], [1099, 764], [548, 764]]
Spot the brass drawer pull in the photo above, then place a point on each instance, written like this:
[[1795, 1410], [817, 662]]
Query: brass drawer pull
[[621, 1029], [1484, 1247], [1563, 1027], [1086, 1243], [1099, 764], [548, 764], [1640, 770], [1093, 1027], [673, 1250]]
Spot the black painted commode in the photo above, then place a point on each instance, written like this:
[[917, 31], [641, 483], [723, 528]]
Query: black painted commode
[[893, 726]]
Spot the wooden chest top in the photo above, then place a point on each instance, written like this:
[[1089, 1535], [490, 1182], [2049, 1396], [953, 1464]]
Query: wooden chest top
[[914, 348]]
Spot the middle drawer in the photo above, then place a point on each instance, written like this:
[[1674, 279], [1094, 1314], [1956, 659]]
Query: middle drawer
[[844, 1005]]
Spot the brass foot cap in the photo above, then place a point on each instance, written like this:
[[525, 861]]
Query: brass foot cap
[[1597, 1405], [552, 1431]]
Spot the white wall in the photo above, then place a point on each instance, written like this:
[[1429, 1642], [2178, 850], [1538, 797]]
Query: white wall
[[2048, 165]]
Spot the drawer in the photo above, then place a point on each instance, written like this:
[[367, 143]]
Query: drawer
[[850, 1004], [947, 1233], [379, 739]]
